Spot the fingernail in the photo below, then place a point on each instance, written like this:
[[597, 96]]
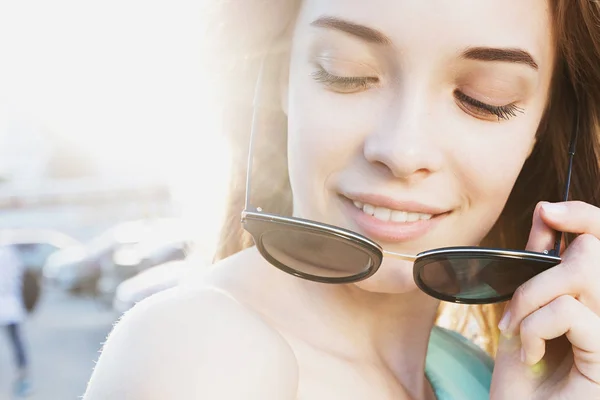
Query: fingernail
[[539, 368], [504, 322], [554, 208], [506, 335], [523, 355]]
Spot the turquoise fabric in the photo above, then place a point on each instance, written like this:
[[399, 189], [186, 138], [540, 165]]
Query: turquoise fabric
[[457, 368]]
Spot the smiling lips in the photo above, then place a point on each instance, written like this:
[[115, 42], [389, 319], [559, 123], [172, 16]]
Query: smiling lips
[[387, 214], [387, 220]]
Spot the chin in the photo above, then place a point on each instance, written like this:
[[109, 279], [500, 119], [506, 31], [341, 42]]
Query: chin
[[393, 277]]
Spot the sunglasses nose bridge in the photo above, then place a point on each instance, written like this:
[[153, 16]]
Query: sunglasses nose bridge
[[399, 256]]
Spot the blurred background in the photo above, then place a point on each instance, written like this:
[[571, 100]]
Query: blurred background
[[112, 169]]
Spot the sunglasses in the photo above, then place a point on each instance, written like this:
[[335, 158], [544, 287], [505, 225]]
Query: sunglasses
[[329, 254]]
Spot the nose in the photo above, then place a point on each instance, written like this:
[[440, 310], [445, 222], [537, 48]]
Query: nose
[[404, 144]]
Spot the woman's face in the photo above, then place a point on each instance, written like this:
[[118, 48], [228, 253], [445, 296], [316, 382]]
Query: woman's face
[[409, 121]]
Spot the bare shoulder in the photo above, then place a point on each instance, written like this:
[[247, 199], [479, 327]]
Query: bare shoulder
[[194, 344]]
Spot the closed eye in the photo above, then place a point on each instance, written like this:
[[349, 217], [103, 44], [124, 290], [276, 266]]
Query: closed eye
[[482, 109], [344, 84]]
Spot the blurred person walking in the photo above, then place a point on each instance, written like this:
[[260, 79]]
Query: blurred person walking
[[12, 315]]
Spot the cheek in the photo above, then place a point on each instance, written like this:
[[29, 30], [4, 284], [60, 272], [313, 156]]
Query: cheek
[[487, 172], [316, 148], [490, 174], [326, 131]]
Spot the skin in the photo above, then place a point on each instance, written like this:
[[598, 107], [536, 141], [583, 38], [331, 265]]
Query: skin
[[243, 325], [408, 138]]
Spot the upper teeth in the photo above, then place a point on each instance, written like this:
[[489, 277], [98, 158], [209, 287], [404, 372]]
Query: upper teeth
[[386, 214]]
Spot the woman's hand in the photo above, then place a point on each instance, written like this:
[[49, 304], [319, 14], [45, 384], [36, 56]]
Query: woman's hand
[[550, 347]]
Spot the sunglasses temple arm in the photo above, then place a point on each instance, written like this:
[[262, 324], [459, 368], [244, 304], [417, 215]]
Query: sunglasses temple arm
[[253, 129], [572, 143], [406, 257]]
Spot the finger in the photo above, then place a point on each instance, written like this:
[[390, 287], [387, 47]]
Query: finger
[[564, 315], [578, 276], [534, 294], [541, 236], [571, 216]]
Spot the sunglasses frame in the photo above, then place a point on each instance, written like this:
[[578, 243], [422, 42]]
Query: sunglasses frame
[[476, 252], [253, 220]]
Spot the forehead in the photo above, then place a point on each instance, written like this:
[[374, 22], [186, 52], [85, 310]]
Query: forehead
[[447, 24]]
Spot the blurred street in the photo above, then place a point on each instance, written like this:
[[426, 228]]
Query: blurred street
[[64, 335], [103, 188]]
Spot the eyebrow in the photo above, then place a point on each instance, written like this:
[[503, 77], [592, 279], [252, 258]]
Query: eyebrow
[[517, 56], [362, 32]]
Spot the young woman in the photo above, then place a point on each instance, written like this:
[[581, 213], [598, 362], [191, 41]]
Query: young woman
[[418, 125]]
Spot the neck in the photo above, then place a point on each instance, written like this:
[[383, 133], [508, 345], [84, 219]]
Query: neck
[[386, 326], [390, 331]]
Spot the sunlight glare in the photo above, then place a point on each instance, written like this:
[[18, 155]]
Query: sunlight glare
[[123, 82]]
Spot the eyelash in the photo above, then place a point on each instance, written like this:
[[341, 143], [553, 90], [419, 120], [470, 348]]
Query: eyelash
[[502, 112], [359, 83], [352, 84]]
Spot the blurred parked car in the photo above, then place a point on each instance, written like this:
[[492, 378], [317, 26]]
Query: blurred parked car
[[173, 243], [34, 247], [68, 268], [78, 269], [149, 282]]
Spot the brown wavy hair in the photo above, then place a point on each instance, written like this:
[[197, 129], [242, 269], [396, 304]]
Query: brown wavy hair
[[238, 35]]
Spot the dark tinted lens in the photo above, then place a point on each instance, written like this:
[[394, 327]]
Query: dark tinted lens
[[316, 254], [478, 278]]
